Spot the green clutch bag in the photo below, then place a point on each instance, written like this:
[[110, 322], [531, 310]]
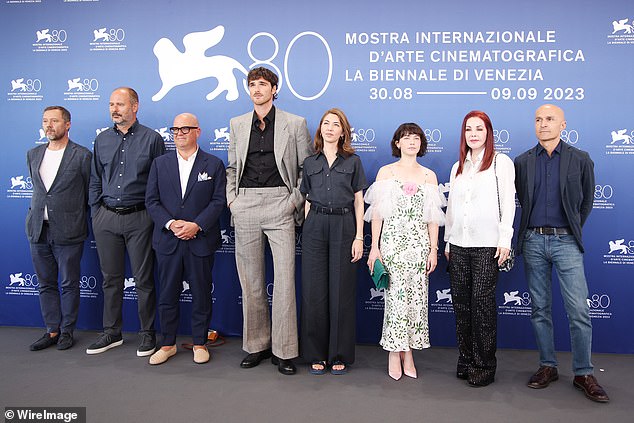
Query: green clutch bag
[[380, 277]]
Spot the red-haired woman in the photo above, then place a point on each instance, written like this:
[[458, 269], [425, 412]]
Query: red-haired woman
[[478, 233]]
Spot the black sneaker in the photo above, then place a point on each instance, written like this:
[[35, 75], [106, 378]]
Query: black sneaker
[[44, 342], [104, 343], [65, 341], [147, 346]]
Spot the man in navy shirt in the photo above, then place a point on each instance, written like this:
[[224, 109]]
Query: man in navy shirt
[[555, 187], [121, 164]]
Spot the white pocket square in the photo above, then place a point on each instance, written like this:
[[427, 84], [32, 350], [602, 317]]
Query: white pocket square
[[203, 177]]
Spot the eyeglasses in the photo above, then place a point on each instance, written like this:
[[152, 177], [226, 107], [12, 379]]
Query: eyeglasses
[[183, 129]]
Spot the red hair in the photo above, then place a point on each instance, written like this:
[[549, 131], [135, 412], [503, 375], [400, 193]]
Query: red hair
[[489, 148]]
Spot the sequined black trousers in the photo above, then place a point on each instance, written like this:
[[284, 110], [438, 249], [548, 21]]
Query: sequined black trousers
[[473, 273]]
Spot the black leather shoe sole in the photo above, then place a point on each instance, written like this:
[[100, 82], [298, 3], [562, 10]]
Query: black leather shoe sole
[[64, 343], [285, 367], [479, 384], [43, 343], [254, 359]]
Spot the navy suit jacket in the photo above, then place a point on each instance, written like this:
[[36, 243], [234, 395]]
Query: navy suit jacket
[[576, 181], [203, 202], [66, 200]]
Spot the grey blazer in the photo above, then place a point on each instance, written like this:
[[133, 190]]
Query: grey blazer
[[292, 144], [67, 199]]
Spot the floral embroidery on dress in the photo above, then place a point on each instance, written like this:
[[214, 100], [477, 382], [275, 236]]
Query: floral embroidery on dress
[[405, 209]]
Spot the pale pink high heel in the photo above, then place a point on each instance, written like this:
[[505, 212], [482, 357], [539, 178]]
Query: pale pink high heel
[[410, 372], [393, 369]]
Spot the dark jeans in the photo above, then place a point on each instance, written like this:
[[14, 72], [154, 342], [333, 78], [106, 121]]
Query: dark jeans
[[49, 261]]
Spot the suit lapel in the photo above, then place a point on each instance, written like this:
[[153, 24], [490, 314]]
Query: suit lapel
[[281, 140], [37, 162], [200, 163], [563, 167], [173, 175], [242, 143], [67, 158], [530, 174]]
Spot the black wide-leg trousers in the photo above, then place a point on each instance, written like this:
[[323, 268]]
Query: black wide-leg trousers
[[473, 274], [329, 282]]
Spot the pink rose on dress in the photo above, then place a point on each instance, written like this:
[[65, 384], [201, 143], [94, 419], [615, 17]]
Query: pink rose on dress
[[410, 188]]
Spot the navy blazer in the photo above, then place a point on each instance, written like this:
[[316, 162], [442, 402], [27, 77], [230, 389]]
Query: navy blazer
[[66, 200], [203, 202], [576, 174]]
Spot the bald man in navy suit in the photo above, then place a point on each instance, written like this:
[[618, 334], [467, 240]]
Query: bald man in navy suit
[[185, 196]]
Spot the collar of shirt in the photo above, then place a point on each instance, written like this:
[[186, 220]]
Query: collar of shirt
[[269, 119], [131, 130], [321, 154], [541, 149], [190, 158], [478, 159], [471, 165], [185, 167]]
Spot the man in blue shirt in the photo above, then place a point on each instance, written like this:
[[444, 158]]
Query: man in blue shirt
[[120, 168], [555, 187]]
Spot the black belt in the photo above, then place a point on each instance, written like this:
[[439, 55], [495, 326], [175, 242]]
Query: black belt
[[330, 210], [125, 210], [551, 231]]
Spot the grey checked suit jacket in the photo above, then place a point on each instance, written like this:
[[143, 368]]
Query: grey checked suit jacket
[[292, 145], [67, 199]]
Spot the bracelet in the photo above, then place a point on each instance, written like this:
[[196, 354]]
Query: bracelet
[[357, 238], [434, 247]]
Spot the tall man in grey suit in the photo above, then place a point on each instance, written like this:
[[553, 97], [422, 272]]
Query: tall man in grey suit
[[266, 153], [555, 187], [121, 164], [56, 225]]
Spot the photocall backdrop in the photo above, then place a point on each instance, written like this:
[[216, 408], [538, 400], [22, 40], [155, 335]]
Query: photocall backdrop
[[383, 64]]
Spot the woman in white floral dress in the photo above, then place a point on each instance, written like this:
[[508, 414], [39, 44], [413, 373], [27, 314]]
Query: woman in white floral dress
[[405, 211]]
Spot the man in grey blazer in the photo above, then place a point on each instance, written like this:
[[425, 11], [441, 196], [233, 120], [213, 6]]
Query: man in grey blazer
[[266, 153], [56, 225]]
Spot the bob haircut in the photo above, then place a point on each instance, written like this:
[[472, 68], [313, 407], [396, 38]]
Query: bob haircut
[[489, 148], [409, 129], [344, 145], [266, 74]]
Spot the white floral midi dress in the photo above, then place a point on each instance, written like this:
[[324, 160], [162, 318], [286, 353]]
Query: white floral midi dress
[[405, 247]]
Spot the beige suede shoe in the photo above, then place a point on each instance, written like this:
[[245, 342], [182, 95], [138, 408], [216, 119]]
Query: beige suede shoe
[[201, 355], [161, 355]]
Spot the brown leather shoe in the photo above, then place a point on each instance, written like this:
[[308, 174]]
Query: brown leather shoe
[[589, 385], [542, 378]]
